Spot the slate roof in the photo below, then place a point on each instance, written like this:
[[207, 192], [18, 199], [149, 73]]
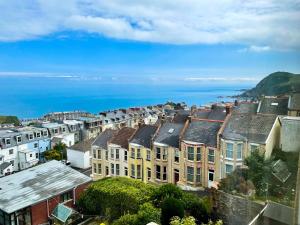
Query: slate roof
[[203, 132], [38, 184], [294, 101], [246, 107], [181, 116], [144, 135], [217, 113], [83, 146], [104, 137], [270, 105], [254, 128], [164, 135], [122, 137]]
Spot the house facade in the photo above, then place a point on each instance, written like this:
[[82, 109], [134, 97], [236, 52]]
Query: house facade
[[294, 105]]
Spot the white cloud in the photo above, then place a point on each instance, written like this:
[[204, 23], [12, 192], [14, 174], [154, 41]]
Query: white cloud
[[254, 48], [260, 24]]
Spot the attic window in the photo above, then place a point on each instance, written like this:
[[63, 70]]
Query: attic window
[[274, 104], [171, 131]]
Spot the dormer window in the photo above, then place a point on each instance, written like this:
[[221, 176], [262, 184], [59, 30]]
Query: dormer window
[[45, 133], [55, 131], [63, 129], [38, 135], [30, 136], [19, 139]]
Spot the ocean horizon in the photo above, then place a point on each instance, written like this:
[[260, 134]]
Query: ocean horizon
[[34, 96]]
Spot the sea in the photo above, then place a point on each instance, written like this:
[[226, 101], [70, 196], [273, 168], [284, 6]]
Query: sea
[[31, 97]]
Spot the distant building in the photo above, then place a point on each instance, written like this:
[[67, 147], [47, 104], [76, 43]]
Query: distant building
[[79, 155], [61, 116], [294, 105], [290, 133], [22, 148], [33, 196]]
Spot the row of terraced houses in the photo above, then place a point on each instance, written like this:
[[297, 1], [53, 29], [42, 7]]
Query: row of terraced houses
[[195, 148]]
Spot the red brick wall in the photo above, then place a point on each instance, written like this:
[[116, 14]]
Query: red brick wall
[[39, 212]]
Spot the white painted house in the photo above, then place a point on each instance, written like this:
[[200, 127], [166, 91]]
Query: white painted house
[[79, 155]]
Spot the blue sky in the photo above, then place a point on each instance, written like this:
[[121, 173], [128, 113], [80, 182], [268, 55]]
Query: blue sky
[[181, 38]]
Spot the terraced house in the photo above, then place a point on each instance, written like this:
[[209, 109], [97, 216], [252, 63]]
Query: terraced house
[[100, 155], [140, 153], [200, 162], [166, 155], [244, 133], [21, 148]]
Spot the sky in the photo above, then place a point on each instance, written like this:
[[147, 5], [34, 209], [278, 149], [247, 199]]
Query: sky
[[171, 39]]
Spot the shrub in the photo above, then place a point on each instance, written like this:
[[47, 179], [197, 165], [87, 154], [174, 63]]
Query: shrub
[[171, 207], [166, 191]]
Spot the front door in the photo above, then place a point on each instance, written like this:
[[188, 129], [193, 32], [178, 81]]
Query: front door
[[211, 174], [176, 176]]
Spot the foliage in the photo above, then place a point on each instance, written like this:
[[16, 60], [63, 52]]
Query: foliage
[[166, 191], [115, 197], [171, 207], [275, 84], [62, 149], [9, 120], [52, 154], [184, 221], [146, 214]]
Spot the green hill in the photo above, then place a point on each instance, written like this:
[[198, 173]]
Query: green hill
[[10, 120], [277, 83]]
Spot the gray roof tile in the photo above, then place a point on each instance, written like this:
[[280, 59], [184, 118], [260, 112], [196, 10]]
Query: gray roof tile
[[144, 135], [169, 134]]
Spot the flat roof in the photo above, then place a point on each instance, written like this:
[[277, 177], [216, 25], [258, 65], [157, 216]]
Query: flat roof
[[37, 184]]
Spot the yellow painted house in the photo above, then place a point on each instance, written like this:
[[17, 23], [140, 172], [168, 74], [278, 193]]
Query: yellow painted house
[[140, 155]]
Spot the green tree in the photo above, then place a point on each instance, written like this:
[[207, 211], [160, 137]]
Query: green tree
[[52, 154], [62, 149], [166, 191], [184, 221], [171, 207]]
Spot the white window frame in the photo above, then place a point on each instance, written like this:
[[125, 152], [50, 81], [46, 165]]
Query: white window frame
[[237, 151], [226, 150], [18, 139]]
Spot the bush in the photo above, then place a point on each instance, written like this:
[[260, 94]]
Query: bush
[[185, 221], [166, 191], [171, 207], [115, 197]]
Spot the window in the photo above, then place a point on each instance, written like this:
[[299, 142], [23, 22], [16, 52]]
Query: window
[[30, 155], [106, 171], [117, 169], [55, 131], [228, 168], [132, 170], [198, 175], [38, 135], [99, 168], [63, 129], [35, 145], [138, 169], [95, 167], [30, 136], [94, 154], [149, 173], [99, 154], [148, 157], [165, 154], [106, 154], [125, 155], [211, 155], [190, 153], [138, 154], [36, 155], [7, 141], [112, 154], [176, 157], [112, 169], [157, 153], [11, 151], [45, 133], [190, 174], [229, 150], [132, 153], [66, 196], [19, 139], [126, 171], [253, 148], [157, 172], [239, 151], [164, 173], [117, 153], [199, 154]]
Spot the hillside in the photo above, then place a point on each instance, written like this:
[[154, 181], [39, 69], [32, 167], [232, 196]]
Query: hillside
[[275, 84], [9, 120]]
